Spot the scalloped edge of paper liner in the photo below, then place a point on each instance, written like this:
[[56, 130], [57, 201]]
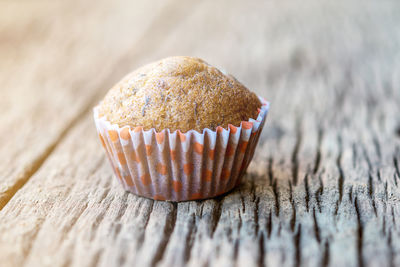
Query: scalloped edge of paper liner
[[180, 166]]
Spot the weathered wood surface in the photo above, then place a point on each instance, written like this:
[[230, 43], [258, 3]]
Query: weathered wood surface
[[48, 52], [323, 188]]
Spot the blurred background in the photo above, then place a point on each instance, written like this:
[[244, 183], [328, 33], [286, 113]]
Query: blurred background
[[71, 52], [58, 57]]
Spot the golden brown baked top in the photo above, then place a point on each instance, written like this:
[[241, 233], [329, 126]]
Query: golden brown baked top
[[179, 93]]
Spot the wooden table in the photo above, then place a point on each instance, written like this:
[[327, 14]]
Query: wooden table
[[322, 190]]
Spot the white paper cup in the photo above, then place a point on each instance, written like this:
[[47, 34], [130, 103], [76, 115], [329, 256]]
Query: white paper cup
[[178, 166]]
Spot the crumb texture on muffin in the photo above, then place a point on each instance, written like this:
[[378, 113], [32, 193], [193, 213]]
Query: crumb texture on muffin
[[179, 93]]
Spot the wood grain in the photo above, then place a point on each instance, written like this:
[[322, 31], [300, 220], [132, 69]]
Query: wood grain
[[323, 188], [52, 59]]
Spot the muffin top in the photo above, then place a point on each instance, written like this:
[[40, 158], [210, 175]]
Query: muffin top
[[179, 93]]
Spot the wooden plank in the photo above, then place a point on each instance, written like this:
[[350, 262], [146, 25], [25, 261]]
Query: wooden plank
[[323, 187], [57, 59]]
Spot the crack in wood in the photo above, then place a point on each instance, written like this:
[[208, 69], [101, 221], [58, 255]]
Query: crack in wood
[[295, 160], [307, 190], [318, 152], [393, 217], [384, 225], [293, 219], [371, 193], [374, 207], [350, 193], [237, 240], [386, 193], [276, 196], [240, 221], [261, 250], [105, 193], [326, 255], [316, 227], [216, 216], [279, 228], [378, 175], [256, 214], [318, 199], [253, 188], [318, 193], [269, 224], [235, 249], [200, 208], [242, 203], [297, 237], [341, 173], [397, 169], [360, 233], [270, 171]]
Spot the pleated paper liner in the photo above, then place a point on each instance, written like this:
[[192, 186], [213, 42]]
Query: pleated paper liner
[[178, 166]]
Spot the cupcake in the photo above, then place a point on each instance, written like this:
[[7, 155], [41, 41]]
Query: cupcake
[[179, 129]]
